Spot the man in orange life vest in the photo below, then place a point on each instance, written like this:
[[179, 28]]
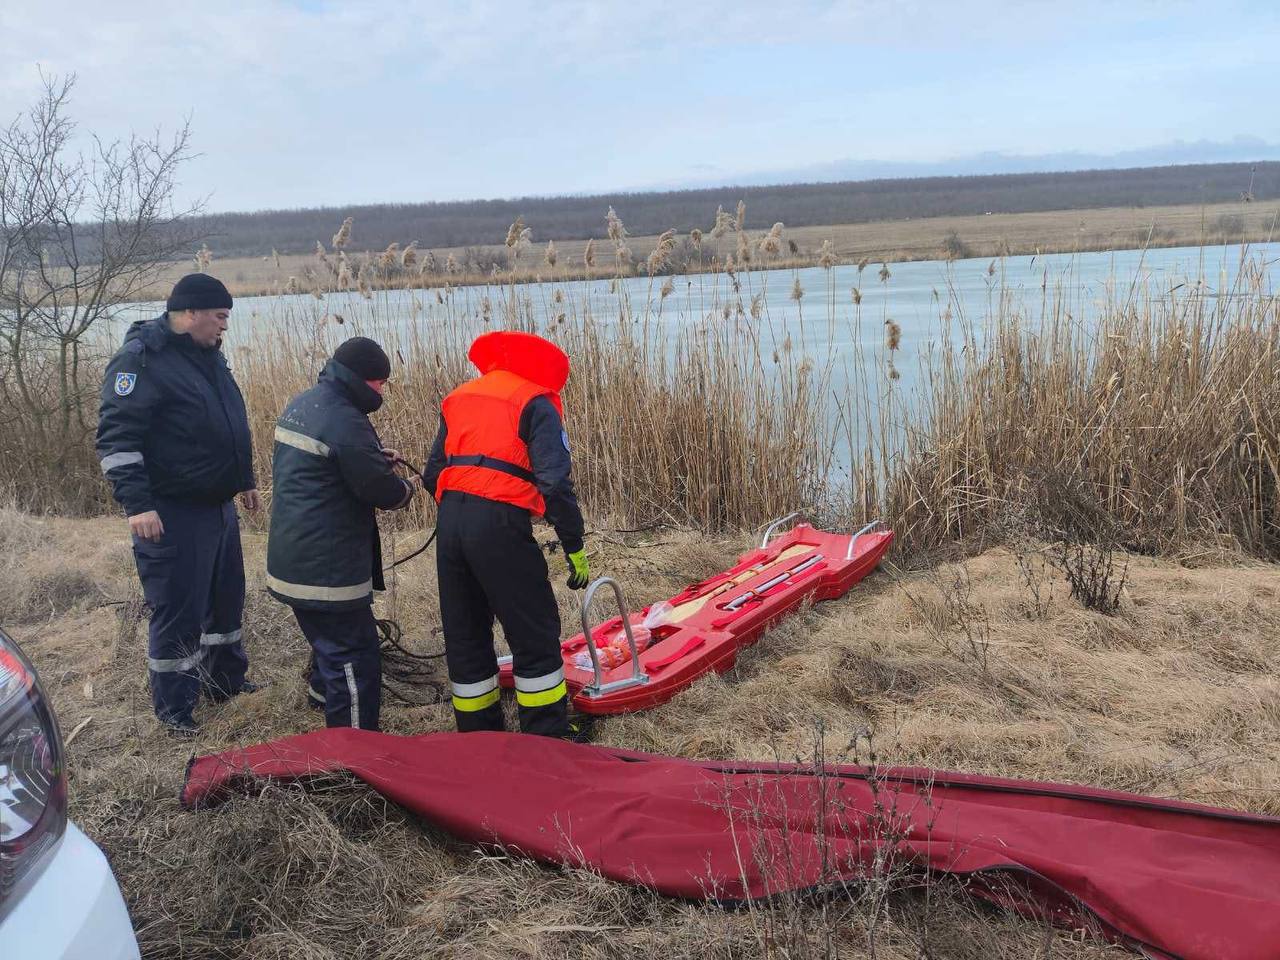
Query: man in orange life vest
[[502, 457]]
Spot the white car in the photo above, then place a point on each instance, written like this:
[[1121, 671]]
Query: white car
[[58, 897]]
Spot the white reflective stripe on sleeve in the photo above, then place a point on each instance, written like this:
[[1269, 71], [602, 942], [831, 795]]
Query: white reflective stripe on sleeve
[[113, 460], [354, 693], [301, 441], [478, 689], [306, 591], [538, 684], [315, 694], [218, 639], [181, 665]]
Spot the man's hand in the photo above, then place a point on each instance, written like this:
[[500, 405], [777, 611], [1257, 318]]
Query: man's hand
[[146, 526], [579, 570], [391, 455], [414, 484], [251, 500]]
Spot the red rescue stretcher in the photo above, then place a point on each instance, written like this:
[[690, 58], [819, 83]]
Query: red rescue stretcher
[[709, 622]]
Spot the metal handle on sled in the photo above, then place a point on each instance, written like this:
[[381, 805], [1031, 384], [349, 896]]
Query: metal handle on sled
[[768, 532], [854, 539], [597, 689]]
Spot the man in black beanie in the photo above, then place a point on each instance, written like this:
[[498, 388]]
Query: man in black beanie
[[173, 440], [330, 473]]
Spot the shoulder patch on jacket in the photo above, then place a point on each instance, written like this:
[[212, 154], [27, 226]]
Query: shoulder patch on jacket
[[125, 382]]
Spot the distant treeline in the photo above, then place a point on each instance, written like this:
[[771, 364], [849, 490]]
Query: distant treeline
[[480, 222]]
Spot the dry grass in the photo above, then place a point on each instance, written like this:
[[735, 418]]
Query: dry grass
[[1156, 428], [673, 422], [1173, 696], [999, 234], [1153, 427], [36, 581], [1150, 435]]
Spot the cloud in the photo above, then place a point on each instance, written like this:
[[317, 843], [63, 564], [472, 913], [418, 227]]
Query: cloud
[[314, 101]]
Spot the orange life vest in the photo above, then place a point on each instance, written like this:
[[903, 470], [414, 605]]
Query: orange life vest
[[484, 454]]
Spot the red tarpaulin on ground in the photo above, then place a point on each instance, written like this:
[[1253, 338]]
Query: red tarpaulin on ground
[[1171, 878]]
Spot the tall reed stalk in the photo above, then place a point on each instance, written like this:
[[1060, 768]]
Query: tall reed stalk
[[1157, 425], [1154, 423]]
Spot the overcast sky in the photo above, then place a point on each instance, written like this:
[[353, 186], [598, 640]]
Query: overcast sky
[[312, 103]]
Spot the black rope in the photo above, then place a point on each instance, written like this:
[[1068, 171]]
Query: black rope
[[407, 676], [409, 556], [401, 461]]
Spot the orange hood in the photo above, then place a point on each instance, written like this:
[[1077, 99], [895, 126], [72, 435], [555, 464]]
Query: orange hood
[[526, 355]]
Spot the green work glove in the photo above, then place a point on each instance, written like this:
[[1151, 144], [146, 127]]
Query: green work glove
[[579, 571]]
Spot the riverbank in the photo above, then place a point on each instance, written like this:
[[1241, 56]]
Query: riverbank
[[1080, 591], [1140, 410], [985, 665], [987, 236]]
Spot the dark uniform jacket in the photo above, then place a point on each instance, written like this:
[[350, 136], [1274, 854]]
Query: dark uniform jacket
[[328, 477], [543, 433], [172, 423]]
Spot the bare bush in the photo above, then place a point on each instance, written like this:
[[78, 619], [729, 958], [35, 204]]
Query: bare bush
[[956, 621], [81, 234], [1033, 569], [953, 248], [1096, 577]]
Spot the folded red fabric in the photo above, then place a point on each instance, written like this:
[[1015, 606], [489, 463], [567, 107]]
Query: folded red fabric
[[1172, 879]]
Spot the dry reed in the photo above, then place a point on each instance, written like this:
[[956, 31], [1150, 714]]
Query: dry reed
[[1156, 425], [1158, 413], [686, 426]]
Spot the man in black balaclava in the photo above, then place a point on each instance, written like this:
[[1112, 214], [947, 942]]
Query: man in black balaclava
[[330, 473]]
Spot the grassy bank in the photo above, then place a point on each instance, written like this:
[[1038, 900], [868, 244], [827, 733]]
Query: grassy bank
[[1079, 593], [1152, 427], [892, 241], [988, 666]]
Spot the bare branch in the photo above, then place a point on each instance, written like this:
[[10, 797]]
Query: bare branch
[[82, 234]]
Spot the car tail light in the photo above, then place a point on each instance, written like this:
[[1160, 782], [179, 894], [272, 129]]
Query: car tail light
[[33, 781]]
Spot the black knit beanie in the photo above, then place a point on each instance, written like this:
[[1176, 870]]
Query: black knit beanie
[[364, 358], [198, 291]]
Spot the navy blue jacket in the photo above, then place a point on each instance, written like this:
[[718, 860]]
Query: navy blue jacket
[[172, 422], [328, 477], [543, 433]]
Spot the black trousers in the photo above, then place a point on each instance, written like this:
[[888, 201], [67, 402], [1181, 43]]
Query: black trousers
[[489, 565], [193, 578], [347, 665]]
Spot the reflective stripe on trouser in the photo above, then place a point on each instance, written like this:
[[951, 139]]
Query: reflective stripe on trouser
[[315, 686], [541, 691], [193, 580], [489, 565], [348, 665], [474, 697]]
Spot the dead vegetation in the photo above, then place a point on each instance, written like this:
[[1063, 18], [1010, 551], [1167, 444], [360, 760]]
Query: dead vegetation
[[1077, 594], [1148, 424], [894, 241], [1174, 695]]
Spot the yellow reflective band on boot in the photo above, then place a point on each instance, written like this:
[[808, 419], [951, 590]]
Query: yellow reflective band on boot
[[472, 704], [542, 698]]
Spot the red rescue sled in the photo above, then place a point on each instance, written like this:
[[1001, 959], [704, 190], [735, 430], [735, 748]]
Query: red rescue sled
[[711, 621]]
